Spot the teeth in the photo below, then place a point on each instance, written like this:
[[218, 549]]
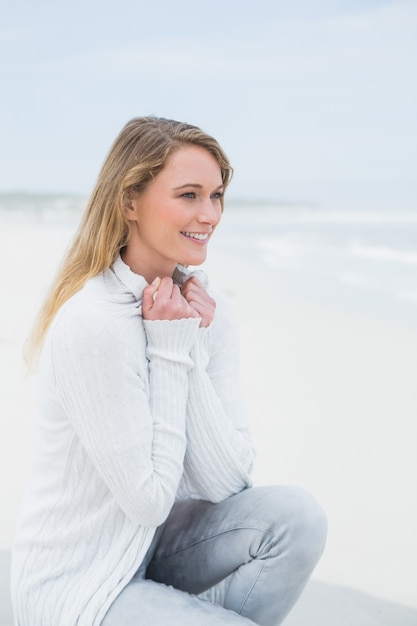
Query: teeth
[[201, 236]]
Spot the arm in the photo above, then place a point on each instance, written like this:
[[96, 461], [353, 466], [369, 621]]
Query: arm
[[219, 454], [133, 432]]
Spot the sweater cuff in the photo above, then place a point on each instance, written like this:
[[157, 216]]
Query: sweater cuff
[[171, 339]]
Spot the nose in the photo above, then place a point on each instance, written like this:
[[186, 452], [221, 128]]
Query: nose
[[210, 211]]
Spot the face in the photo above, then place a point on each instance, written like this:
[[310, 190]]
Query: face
[[173, 219]]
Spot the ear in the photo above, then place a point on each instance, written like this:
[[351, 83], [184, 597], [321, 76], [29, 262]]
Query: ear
[[131, 206]]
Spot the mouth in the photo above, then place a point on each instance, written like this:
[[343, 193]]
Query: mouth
[[195, 236]]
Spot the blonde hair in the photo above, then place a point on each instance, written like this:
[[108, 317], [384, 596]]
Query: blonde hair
[[136, 157]]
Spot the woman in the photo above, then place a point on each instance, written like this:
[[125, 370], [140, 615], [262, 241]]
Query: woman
[[139, 509]]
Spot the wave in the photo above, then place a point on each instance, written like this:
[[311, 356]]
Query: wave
[[302, 215], [407, 294], [382, 253]]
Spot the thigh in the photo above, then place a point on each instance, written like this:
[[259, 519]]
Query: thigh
[[147, 603], [202, 543]]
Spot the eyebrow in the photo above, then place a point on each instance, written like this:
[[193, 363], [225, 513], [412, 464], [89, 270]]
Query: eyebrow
[[195, 185]]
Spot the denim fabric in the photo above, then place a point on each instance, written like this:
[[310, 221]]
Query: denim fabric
[[242, 561]]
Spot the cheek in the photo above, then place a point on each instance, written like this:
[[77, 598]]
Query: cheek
[[166, 230]]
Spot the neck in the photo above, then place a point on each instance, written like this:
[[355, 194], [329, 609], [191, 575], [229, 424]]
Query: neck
[[146, 269]]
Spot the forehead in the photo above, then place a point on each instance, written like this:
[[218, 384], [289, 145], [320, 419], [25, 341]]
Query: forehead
[[193, 161]]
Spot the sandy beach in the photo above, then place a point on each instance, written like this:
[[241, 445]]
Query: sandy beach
[[333, 402]]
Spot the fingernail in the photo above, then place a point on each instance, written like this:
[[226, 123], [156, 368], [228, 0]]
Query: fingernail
[[156, 281]]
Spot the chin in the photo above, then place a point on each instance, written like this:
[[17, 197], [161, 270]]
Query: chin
[[192, 260]]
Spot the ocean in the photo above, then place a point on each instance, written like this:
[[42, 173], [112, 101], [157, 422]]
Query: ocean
[[361, 262]]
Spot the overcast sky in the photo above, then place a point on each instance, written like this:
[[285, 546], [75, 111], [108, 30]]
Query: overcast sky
[[314, 101]]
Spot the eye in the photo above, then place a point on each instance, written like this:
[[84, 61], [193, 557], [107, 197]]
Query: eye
[[217, 195], [189, 194]]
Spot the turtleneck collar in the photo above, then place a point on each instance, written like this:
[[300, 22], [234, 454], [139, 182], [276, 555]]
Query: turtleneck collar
[[131, 281], [135, 283]]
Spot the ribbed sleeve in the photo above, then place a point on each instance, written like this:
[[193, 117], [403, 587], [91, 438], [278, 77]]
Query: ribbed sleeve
[[219, 456], [133, 430]]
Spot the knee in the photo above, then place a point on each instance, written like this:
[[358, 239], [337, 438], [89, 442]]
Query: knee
[[308, 527], [298, 521]]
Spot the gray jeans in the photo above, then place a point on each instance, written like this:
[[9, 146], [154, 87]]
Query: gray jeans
[[243, 561]]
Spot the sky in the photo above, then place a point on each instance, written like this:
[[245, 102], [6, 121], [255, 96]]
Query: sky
[[314, 102]]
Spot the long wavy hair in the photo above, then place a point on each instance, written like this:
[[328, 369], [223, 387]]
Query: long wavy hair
[[136, 157]]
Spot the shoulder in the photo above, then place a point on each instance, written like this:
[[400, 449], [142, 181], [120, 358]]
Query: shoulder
[[84, 312], [91, 321]]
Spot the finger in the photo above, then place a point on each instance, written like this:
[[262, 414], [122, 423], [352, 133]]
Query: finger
[[149, 294], [193, 288], [192, 282], [183, 308], [165, 288], [202, 310], [199, 297], [161, 295], [180, 304]]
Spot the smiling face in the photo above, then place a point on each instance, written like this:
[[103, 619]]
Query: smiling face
[[173, 219]]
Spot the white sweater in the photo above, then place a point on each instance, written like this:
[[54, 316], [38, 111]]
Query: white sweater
[[132, 415]]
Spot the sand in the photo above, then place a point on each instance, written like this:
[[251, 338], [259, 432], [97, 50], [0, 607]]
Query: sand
[[333, 403]]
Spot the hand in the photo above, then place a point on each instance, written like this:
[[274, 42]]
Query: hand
[[162, 300], [196, 296]]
